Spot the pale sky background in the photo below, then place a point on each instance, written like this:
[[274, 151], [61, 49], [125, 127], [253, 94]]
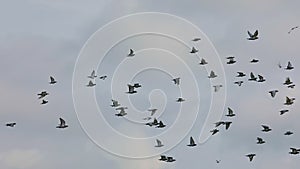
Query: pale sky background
[[40, 38]]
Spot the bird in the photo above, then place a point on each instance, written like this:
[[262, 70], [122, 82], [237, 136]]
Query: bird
[[44, 101], [115, 103], [227, 124], [252, 77], [176, 80], [253, 36], [230, 112], [180, 99], [212, 74], [93, 75], [293, 28], [42, 94], [294, 151], [289, 101], [231, 60], [122, 111], [131, 53], [91, 84], [131, 89], [250, 156], [239, 83], [52, 80], [219, 123], [153, 111], [273, 93], [192, 142], [103, 77], [283, 111], [203, 62], [217, 87], [240, 74], [291, 86], [260, 141], [62, 123], [137, 85], [218, 161], [289, 66], [154, 123], [170, 159], [159, 143], [214, 131], [163, 158], [254, 61], [194, 50], [196, 39], [288, 81], [260, 78], [160, 125], [12, 124], [287, 133], [266, 128]]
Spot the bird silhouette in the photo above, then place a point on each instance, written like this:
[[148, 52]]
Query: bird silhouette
[[230, 112], [230, 60], [241, 74], [12, 124], [115, 103], [160, 125], [239, 83], [250, 156], [93, 75], [260, 78], [180, 99], [103, 77], [44, 102], [192, 142], [62, 123], [122, 111], [266, 128], [294, 151], [196, 39], [131, 89], [282, 112], [203, 62], [289, 101], [253, 36], [212, 75], [42, 94], [288, 133], [288, 81], [194, 50], [289, 66], [52, 80], [273, 93], [227, 124], [260, 141], [91, 84], [254, 61], [214, 131], [159, 143], [131, 53], [176, 80], [252, 77]]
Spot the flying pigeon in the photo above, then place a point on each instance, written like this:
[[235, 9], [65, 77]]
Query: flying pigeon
[[11, 124], [103, 77], [159, 143], [196, 39], [283, 111], [137, 85], [273, 92], [154, 123], [227, 124], [203, 62], [153, 111], [52, 80], [180, 99], [288, 81], [260, 141], [62, 124], [91, 84], [122, 111], [176, 80], [212, 74], [231, 60], [219, 123], [289, 66], [115, 103], [217, 87], [239, 83], [131, 89], [131, 53], [253, 36], [93, 75], [288, 133], [230, 112], [214, 131], [194, 50], [294, 151], [42, 94], [289, 101], [291, 86], [160, 125], [44, 101], [266, 128], [250, 156], [260, 78], [240, 74], [254, 61], [192, 142], [252, 77], [163, 158], [170, 159], [293, 28]]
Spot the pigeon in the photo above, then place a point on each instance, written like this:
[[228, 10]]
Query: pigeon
[[137, 85], [93, 75], [289, 66], [163, 158], [288, 81], [230, 112], [219, 123], [227, 124], [253, 36], [44, 101], [289, 101], [192, 142], [170, 159], [160, 125], [180, 99], [196, 39], [260, 78], [212, 74], [153, 111], [42, 94], [11, 124], [203, 62], [115, 103], [283, 111], [273, 93], [250, 156], [131, 89], [252, 77], [214, 131], [231, 60], [294, 151], [260, 141], [266, 128], [176, 80], [254, 61], [91, 84], [239, 83], [154, 123], [122, 111], [293, 28], [62, 124], [194, 50], [288, 133], [159, 143], [291, 86], [103, 77], [240, 74], [218, 161], [131, 53], [52, 80]]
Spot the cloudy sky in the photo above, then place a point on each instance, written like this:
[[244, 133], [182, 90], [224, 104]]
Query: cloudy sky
[[40, 38]]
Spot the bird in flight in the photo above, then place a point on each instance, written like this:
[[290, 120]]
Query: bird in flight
[[11, 124], [254, 61], [153, 111], [162, 158], [227, 124], [196, 39], [176, 80], [103, 77], [283, 111], [122, 111], [289, 101], [253, 36], [240, 74], [252, 77], [91, 84], [137, 85], [289, 66], [180, 99], [131, 89], [250, 156], [194, 50], [266, 128], [158, 143], [230, 112], [203, 62], [293, 28], [44, 101], [260, 78], [154, 123], [231, 60], [288, 81], [115, 103], [62, 123], [294, 151], [212, 75], [131, 53], [42, 94], [217, 87], [219, 123], [170, 159], [239, 83], [214, 131], [260, 141], [192, 142], [273, 93], [288, 133], [93, 75], [52, 80], [160, 125]]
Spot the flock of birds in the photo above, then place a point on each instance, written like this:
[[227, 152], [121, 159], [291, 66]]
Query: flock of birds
[[132, 89]]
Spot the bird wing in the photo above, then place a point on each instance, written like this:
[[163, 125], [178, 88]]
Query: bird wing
[[158, 142], [252, 75], [230, 111], [52, 79], [62, 121], [250, 34], [255, 33], [192, 140]]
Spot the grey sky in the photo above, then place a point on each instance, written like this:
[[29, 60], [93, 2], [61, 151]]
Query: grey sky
[[40, 38]]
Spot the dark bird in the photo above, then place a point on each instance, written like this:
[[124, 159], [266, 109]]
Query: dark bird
[[131, 53], [42, 94], [131, 89], [52, 80], [218, 161], [289, 66], [91, 84], [44, 101], [180, 99], [254, 61], [217, 87], [196, 39], [103, 77], [137, 85], [115, 103], [154, 123], [288, 81], [194, 50], [159, 143], [266, 128], [170, 159], [239, 83], [253, 36], [283, 111], [203, 62], [122, 111], [260, 141], [160, 125], [293, 28], [240, 74], [294, 151], [214, 131], [250, 156], [252, 77], [291, 86], [273, 93], [11, 124], [219, 123], [288, 133], [227, 124], [93, 75], [176, 80], [212, 74], [230, 112], [192, 142], [289, 101], [162, 158], [62, 124], [260, 78], [231, 60]]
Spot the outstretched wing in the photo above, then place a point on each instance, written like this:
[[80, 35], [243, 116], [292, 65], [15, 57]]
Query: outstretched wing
[[62, 121]]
